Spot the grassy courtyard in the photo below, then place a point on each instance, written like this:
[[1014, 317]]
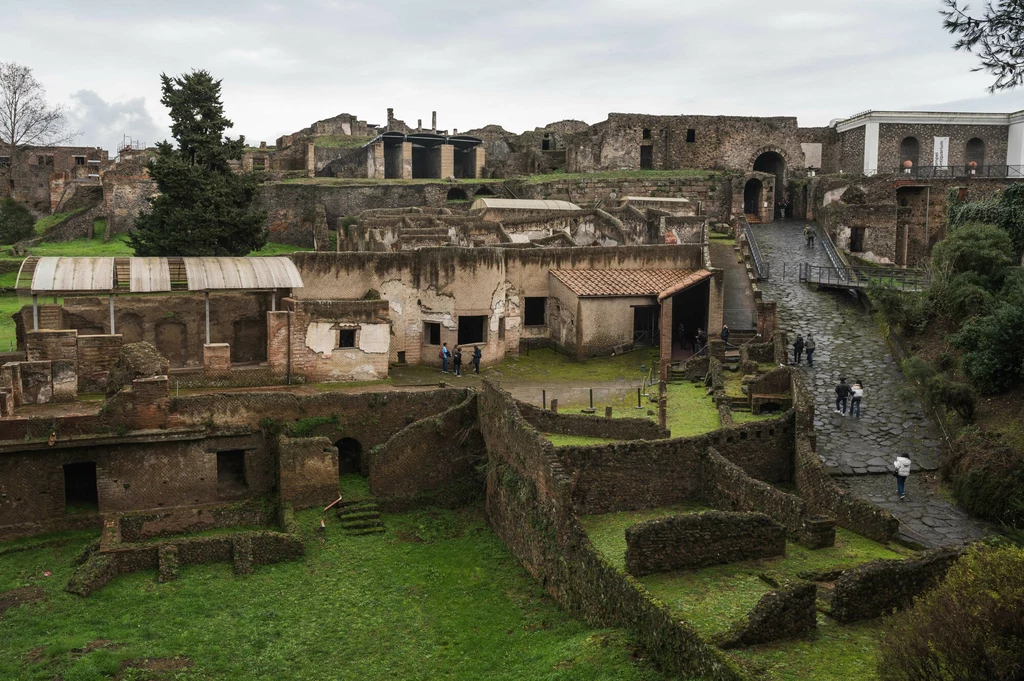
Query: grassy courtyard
[[436, 597]]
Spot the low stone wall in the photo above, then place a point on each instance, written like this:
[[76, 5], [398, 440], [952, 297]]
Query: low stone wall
[[882, 586], [686, 542], [592, 426], [139, 526], [432, 461], [789, 612], [726, 487], [529, 506], [307, 471]]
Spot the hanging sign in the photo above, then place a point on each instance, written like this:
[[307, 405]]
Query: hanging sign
[[940, 152]]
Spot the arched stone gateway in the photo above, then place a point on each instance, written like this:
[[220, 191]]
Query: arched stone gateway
[[350, 454], [773, 161], [753, 192]]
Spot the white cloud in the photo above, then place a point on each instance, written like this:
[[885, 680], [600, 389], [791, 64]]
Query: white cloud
[[106, 124]]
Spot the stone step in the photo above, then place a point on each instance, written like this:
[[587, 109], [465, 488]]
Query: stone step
[[369, 515], [347, 527], [370, 530], [354, 502]]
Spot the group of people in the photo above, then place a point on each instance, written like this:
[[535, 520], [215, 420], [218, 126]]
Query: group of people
[[855, 393], [455, 357], [800, 346], [700, 340]]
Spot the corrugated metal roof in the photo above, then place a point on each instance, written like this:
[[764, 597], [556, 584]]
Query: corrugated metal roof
[[655, 199], [523, 204], [73, 274], [151, 275], [611, 282], [208, 274]]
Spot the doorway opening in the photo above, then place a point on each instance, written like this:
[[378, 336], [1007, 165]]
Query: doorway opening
[[645, 325], [752, 197], [772, 162], [350, 455], [81, 494], [646, 157]]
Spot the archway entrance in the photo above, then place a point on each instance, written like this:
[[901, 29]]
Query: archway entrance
[[456, 194], [753, 192], [772, 162], [350, 454]]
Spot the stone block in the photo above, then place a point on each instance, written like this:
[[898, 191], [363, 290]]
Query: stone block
[[217, 359], [64, 374], [47, 345], [36, 382]]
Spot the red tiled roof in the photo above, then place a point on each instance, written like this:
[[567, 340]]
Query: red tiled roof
[[611, 282]]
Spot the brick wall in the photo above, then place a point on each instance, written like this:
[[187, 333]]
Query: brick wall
[[97, 356], [695, 540], [790, 612], [592, 426], [307, 472]]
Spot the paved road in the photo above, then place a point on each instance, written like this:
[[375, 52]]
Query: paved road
[[859, 451], [740, 310]]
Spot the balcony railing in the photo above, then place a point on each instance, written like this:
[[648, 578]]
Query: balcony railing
[[964, 171]]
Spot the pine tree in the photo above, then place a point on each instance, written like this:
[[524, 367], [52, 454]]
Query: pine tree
[[203, 208]]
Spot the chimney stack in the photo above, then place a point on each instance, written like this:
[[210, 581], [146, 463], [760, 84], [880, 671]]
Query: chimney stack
[[419, 124], [391, 117], [433, 121]]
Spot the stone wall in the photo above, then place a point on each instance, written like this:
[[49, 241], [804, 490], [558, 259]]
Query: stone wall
[[307, 471], [434, 461], [891, 135], [635, 475], [790, 612], [695, 540], [882, 586], [529, 506], [592, 426]]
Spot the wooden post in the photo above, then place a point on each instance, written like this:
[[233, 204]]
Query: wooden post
[[554, 406], [607, 412]]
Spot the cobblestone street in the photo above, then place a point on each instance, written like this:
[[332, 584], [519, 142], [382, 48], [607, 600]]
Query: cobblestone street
[[859, 450]]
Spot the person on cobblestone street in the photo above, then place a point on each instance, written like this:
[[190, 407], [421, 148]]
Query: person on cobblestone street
[[842, 392], [902, 466], [809, 346], [702, 343], [477, 354], [857, 390], [798, 349], [809, 235]]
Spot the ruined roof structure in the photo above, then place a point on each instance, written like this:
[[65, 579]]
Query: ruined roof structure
[[613, 282]]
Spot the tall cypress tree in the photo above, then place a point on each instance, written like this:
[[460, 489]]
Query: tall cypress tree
[[203, 208]]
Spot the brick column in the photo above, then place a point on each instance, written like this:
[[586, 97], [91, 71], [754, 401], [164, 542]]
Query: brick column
[[278, 347], [479, 159], [716, 298], [406, 160], [375, 161], [665, 330], [447, 161]]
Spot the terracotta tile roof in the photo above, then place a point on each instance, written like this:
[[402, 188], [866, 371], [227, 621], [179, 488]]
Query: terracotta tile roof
[[612, 282]]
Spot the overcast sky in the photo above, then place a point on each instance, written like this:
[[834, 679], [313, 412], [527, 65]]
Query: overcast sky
[[518, 64]]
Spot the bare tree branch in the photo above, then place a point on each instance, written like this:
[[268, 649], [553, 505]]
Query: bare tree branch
[[26, 119], [996, 37]]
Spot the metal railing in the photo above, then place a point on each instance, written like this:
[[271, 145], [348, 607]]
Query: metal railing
[[964, 171], [903, 279], [833, 255], [763, 271]]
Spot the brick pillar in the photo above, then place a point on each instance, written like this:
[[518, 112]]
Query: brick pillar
[[217, 360], [375, 161], [665, 329], [447, 161], [716, 297], [406, 160], [278, 347], [310, 160], [479, 159]]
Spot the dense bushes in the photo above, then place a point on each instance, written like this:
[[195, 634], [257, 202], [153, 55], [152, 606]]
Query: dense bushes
[[987, 476], [969, 628], [16, 221], [959, 397], [993, 348]]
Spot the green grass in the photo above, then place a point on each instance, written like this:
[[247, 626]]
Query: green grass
[[278, 249], [353, 486], [576, 440], [544, 365], [94, 248], [836, 651], [340, 141], [748, 417], [329, 181], [689, 411], [436, 597], [9, 304], [47, 221]]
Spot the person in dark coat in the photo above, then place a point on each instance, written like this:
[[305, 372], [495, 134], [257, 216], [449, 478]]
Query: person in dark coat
[[798, 348], [810, 346], [476, 359], [725, 332], [682, 336], [843, 391], [457, 361], [702, 342]]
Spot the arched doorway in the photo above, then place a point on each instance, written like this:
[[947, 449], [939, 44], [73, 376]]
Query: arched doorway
[[350, 455], [484, 191], [773, 163], [456, 194], [752, 196], [910, 150], [171, 342], [975, 154]]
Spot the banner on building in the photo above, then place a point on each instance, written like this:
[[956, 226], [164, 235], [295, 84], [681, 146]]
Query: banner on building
[[940, 152]]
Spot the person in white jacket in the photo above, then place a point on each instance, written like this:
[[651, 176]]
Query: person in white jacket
[[902, 465]]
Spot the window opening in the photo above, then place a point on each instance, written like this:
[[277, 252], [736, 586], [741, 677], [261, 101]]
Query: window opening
[[432, 332], [691, 135], [80, 492], [231, 469], [346, 338], [647, 133], [472, 329], [535, 311]]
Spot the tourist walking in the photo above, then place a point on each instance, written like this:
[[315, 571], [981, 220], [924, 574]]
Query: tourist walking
[[702, 343], [902, 472], [725, 332], [842, 392], [857, 394], [798, 348], [457, 361], [809, 235], [477, 354], [444, 354], [809, 347]]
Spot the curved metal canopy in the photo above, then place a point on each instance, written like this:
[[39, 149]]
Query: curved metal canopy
[[153, 275], [523, 204]]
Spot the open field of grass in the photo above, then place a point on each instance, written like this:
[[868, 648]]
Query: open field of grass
[[690, 411], [436, 597], [47, 221]]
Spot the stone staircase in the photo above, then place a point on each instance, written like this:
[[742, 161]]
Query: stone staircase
[[753, 219], [359, 517]]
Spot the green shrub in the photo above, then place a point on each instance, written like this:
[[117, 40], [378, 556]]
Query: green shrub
[[987, 476], [970, 628], [959, 397], [975, 247], [993, 348], [964, 295], [908, 313], [916, 369], [16, 221]]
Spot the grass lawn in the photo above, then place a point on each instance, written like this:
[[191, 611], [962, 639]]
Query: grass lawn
[[607, 531], [747, 417], [47, 221], [690, 411], [436, 597], [9, 304], [576, 440], [544, 365], [96, 248]]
